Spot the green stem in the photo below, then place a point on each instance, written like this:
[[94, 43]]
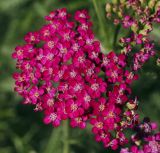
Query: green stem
[[53, 144], [96, 6], [102, 24], [116, 36], [66, 147]]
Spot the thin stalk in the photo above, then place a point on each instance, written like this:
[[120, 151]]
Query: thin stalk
[[66, 144], [101, 20], [53, 144], [116, 36]]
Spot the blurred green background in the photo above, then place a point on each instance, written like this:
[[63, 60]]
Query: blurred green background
[[22, 130]]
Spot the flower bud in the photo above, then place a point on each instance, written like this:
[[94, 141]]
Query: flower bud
[[158, 62], [115, 9], [108, 7], [137, 142], [143, 32], [114, 1], [157, 6], [151, 3], [134, 27], [131, 105], [122, 1], [116, 21], [142, 1], [120, 14]]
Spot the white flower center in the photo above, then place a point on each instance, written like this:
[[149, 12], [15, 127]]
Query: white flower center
[[105, 61], [50, 56], [63, 50], [84, 26], [50, 44], [94, 55], [19, 52], [90, 72], [130, 76], [81, 59], [95, 86], [99, 125], [62, 14], [82, 15], [53, 116], [101, 107], [89, 41], [60, 73], [74, 107], [77, 87], [75, 47], [78, 119], [87, 98], [50, 102], [114, 74], [73, 74]]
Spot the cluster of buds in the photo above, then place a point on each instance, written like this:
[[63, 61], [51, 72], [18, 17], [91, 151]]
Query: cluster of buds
[[144, 134], [137, 16], [139, 48], [64, 74]]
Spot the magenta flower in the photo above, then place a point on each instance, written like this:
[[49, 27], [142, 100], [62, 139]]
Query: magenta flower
[[100, 106], [52, 118], [74, 109], [97, 86], [98, 124], [35, 94], [79, 122], [32, 38], [81, 16], [19, 53]]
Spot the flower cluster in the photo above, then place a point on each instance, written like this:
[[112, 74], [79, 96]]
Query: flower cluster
[[60, 68], [64, 74], [117, 111], [138, 48], [151, 142], [57, 73], [139, 19]]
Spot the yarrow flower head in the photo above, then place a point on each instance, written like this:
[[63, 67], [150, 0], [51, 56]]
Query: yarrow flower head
[[63, 73], [57, 73]]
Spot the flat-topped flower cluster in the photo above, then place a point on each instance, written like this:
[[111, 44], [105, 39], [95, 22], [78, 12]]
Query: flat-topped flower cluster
[[64, 74]]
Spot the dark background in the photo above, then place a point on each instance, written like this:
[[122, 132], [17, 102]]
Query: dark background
[[22, 130]]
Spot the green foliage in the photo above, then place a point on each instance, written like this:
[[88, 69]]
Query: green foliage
[[22, 130]]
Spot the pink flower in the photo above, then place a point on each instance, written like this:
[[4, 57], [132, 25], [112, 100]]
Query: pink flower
[[73, 109], [85, 99], [81, 16], [35, 94], [103, 136], [79, 59], [78, 122], [114, 74], [100, 106], [127, 21], [98, 124], [19, 53], [63, 51], [97, 86], [113, 144], [52, 118], [125, 150], [112, 116], [130, 76], [32, 37]]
